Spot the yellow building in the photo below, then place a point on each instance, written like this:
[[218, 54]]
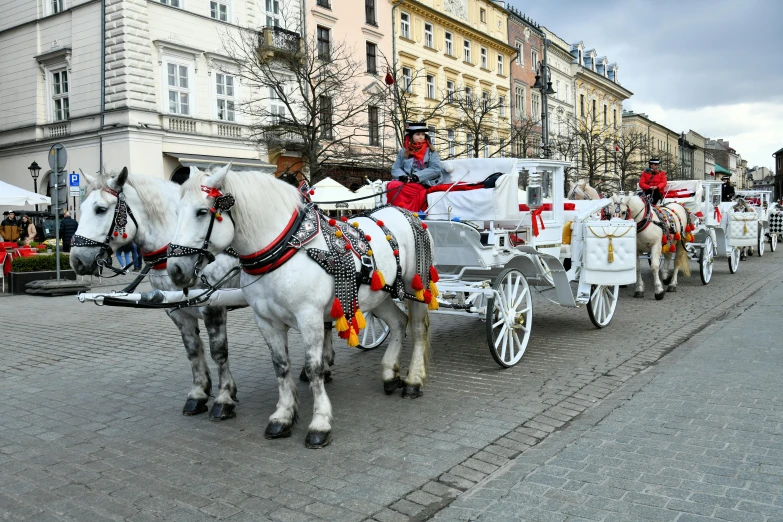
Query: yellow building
[[448, 52], [660, 142]]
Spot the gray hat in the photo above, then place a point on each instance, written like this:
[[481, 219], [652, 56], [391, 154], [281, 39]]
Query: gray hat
[[414, 127]]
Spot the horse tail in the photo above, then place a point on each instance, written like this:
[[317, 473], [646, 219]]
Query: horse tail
[[683, 263]]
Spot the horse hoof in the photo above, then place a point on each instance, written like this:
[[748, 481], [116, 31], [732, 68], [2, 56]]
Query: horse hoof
[[391, 386], [277, 430], [672, 289], [638, 294], [194, 407], [412, 391], [221, 412], [743, 258], [303, 376], [660, 296], [318, 439], [327, 377], [666, 281]]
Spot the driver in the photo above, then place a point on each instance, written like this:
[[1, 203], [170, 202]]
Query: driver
[[653, 181], [416, 168], [726, 190]]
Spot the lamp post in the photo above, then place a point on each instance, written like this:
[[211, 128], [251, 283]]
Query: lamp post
[[544, 85], [35, 170]]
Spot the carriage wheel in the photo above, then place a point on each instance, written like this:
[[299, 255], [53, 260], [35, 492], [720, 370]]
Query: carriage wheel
[[509, 318], [761, 241], [374, 333], [773, 242], [705, 261], [734, 259], [602, 304]]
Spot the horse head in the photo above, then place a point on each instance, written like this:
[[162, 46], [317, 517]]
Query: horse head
[[622, 206], [201, 232]]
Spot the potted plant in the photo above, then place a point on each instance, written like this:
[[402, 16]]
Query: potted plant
[[34, 268]]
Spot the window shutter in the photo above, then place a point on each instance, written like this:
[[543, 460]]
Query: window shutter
[[418, 29]]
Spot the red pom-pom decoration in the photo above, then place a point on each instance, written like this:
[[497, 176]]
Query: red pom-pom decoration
[[416, 284], [396, 253], [337, 309], [116, 233], [427, 296], [677, 236], [345, 334], [332, 222], [424, 226], [312, 192], [124, 235], [219, 217], [375, 281], [347, 246], [344, 219], [434, 277], [368, 238], [355, 323], [379, 223], [673, 248]]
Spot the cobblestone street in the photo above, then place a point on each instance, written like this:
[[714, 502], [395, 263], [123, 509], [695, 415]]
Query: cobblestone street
[[91, 426]]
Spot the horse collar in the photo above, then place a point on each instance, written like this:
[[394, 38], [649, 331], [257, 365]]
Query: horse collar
[[302, 228]]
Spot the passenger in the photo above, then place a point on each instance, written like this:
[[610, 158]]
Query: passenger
[[416, 168], [653, 182]]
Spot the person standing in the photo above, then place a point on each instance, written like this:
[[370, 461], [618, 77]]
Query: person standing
[[416, 168], [26, 231], [124, 255], [726, 190], [653, 181], [9, 228], [68, 228], [136, 254]]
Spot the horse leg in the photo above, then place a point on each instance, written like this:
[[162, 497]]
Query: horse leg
[[639, 291], [397, 322], [225, 402], [743, 254], [655, 264], [202, 383], [285, 415], [319, 433], [417, 371], [328, 357]]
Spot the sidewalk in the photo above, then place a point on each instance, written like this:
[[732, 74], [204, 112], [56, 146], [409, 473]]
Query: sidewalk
[[697, 437]]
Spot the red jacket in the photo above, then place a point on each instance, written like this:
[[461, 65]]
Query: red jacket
[[652, 179]]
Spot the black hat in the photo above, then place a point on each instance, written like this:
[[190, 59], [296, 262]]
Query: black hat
[[726, 178], [412, 127], [655, 161]]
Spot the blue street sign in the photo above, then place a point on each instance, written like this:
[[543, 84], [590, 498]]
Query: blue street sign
[[73, 179]]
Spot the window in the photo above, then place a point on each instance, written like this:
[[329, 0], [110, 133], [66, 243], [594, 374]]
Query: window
[[606, 116], [272, 13], [484, 101], [372, 53], [369, 12], [466, 45], [566, 95], [60, 95], [56, 6], [469, 143], [483, 15], [595, 112], [324, 44], [536, 102], [500, 64], [433, 133], [614, 118], [407, 79], [219, 10], [277, 109], [520, 55], [430, 86], [520, 102], [557, 90], [449, 44], [405, 25], [450, 91], [178, 89], [323, 3], [502, 105], [452, 147], [172, 3], [373, 125], [534, 59], [486, 147], [225, 97], [484, 64], [469, 97], [428, 37], [502, 148], [325, 114], [582, 105]]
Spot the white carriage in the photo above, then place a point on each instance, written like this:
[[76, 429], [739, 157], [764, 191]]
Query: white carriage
[[712, 237], [761, 201]]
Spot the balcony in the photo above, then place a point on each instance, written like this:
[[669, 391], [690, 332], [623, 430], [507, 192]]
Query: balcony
[[276, 42], [282, 136]]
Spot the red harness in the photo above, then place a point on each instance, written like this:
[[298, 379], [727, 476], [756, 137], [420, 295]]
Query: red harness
[[157, 258], [277, 252]]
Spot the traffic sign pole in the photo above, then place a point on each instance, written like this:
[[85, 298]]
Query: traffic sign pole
[[57, 160]]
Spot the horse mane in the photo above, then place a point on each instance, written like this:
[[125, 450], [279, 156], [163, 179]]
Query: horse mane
[[252, 189], [149, 189]]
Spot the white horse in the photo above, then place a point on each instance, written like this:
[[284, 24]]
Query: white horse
[[298, 293], [651, 229], [152, 203], [580, 189]]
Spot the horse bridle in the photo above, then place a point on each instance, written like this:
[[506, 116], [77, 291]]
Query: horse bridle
[[116, 229], [222, 204]]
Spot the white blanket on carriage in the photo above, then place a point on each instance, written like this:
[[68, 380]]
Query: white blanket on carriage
[[689, 193]]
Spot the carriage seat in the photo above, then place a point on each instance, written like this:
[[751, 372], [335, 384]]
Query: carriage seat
[[690, 193]]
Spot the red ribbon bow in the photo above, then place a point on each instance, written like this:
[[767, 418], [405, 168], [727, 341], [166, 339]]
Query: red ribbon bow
[[717, 214], [535, 217], [211, 192]]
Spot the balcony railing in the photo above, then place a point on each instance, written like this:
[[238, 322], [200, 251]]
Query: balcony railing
[[276, 41], [282, 135]]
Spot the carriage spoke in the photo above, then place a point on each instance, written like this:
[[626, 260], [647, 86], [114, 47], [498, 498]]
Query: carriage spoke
[[501, 321], [501, 335], [513, 292], [519, 299]]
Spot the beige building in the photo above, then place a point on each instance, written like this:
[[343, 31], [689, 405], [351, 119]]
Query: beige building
[[699, 167], [561, 104], [455, 48], [661, 141]]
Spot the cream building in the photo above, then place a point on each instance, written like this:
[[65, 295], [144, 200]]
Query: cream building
[[699, 161], [662, 142], [458, 47], [138, 83], [561, 104]]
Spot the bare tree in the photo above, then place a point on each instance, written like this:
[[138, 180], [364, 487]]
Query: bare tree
[[631, 144], [524, 131], [478, 119], [305, 96], [593, 142]]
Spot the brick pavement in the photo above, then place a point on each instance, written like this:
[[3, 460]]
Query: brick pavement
[[91, 427], [697, 438]]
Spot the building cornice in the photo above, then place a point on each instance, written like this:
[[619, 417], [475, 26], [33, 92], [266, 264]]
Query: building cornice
[[649, 122], [605, 83], [163, 45]]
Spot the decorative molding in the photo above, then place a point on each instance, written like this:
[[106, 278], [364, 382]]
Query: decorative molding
[[429, 63], [373, 33], [162, 45], [324, 16], [54, 56]]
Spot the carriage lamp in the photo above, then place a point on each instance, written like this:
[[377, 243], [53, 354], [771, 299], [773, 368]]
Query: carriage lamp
[[35, 170]]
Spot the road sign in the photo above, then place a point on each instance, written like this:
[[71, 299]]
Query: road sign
[[58, 158], [73, 184]]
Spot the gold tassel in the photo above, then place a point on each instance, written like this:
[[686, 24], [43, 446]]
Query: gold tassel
[[567, 233], [360, 320], [665, 248], [745, 228], [353, 339], [434, 289], [342, 324], [433, 304], [610, 257], [419, 294]]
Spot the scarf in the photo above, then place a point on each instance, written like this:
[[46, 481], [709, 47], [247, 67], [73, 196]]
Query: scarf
[[416, 151]]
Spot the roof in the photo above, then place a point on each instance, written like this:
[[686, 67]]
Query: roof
[[778, 152], [721, 170], [202, 161]]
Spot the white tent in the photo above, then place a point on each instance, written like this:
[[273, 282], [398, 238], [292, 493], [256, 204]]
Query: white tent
[[329, 190], [13, 196], [367, 191]]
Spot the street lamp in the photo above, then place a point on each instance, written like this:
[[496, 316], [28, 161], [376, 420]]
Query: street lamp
[[544, 85], [35, 170]]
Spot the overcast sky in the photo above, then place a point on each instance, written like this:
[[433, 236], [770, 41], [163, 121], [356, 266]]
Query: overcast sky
[[712, 66]]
